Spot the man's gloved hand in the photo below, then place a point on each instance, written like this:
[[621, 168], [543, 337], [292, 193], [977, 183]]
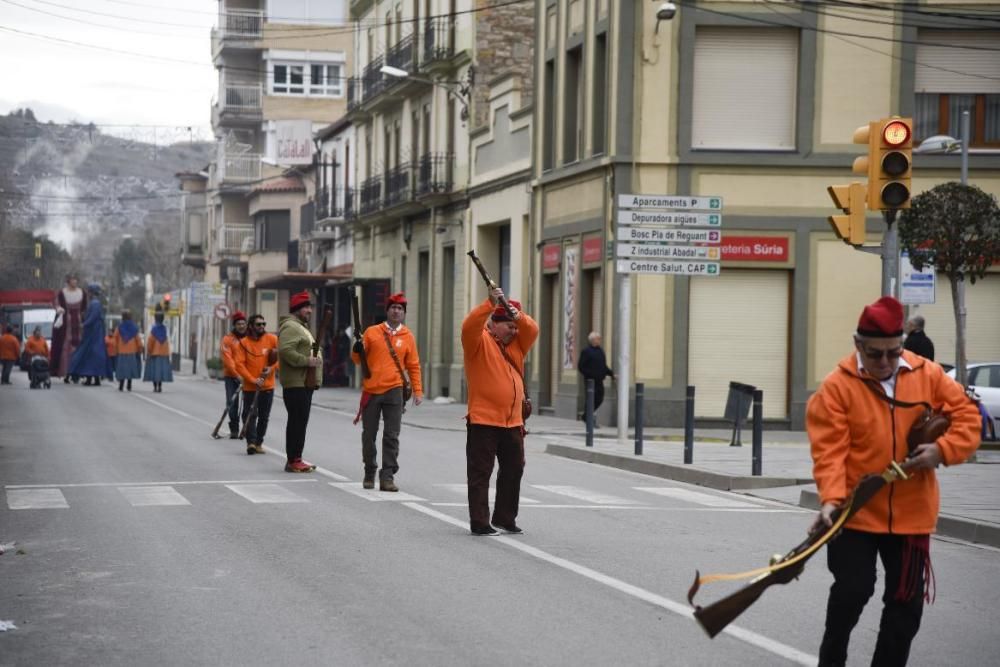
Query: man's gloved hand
[[358, 347]]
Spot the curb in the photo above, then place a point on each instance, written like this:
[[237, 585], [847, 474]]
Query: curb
[[689, 474], [947, 526]]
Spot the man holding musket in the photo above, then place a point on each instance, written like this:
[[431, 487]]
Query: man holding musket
[[858, 422], [300, 373], [250, 357], [389, 347], [496, 337], [229, 373]]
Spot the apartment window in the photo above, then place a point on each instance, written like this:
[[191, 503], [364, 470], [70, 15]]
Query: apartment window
[[950, 79], [572, 106], [549, 119], [744, 88], [289, 79], [272, 231], [504, 274], [326, 80], [599, 118]]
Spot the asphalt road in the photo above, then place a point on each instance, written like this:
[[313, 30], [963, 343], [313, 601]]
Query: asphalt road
[[133, 538]]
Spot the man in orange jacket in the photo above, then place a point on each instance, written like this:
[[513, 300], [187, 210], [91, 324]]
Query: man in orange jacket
[[10, 351], [496, 342], [250, 361], [857, 425], [229, 374], [389, 347]]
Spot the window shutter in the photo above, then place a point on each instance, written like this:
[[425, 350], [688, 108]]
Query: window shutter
[[745, 88], [958, 70]]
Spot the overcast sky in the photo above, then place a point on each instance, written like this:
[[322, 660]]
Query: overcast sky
[[172, 88]]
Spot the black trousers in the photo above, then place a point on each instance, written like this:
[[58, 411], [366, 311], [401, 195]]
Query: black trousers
[[7, 365], [233, 386], [851, 559], [258, 425], [298, 402], [482, 445], [388, 406]]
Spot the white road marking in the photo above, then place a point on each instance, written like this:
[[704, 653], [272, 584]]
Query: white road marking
[[265, 493], [374, 495], [174, 410], [175, 483], [33, 499], [760, 641], [695, 497], [149, 496], [464, 489], [592, 497], [542, 506]]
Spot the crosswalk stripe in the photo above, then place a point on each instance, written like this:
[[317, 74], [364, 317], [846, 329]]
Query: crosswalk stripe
[[265, 493], [697, 497], [152, 496], [33, 499], [464, 490], [374, 495], [593, 497]]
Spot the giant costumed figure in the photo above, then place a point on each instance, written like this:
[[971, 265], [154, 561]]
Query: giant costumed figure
[[71, 302]]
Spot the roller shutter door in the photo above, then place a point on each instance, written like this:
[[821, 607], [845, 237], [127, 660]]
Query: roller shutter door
[[982, 321], [738, 332]]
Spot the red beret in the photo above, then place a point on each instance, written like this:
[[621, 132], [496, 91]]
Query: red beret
[[397, 298], [882, 319], [237, 316], [299, 300], [500, 313]]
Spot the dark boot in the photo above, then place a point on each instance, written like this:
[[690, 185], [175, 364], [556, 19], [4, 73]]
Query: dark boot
[[121, 385], [97, 381], [87, 382], [129, 385]]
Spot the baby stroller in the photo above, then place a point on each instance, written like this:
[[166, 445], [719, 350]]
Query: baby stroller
[[38, 372]]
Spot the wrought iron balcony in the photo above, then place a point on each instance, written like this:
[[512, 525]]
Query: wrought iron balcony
[[402, 56], [373, 81], [439, 40], [350, 206], [234, 239], [371, 195], [435, 174], [240, 168], [399, 185], [240, 24], [353, 93], [329, 203]]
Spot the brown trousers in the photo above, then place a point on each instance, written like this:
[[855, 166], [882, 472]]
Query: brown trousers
[[482, 445]]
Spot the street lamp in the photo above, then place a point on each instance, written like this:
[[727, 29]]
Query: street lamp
[[942, 143], [459, 91]]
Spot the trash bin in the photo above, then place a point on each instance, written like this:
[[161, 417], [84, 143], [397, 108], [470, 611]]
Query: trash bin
[[738, 404]]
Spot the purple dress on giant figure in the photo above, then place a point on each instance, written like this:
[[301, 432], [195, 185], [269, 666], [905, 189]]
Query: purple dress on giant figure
[[71, 302]]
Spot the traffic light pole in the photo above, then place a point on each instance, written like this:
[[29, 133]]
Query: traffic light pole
[[890, 254]]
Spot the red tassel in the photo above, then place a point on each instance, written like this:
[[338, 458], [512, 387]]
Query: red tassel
[[916, 562], [365, 397]]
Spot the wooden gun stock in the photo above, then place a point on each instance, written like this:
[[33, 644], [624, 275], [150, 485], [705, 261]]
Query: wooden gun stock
[[271, 360], [489, 281], [356, 313], [311, 381]]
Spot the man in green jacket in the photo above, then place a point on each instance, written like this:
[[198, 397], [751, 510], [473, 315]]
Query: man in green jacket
[[299, 372]]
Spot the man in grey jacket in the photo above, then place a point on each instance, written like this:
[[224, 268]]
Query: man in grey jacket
[[296, 363]]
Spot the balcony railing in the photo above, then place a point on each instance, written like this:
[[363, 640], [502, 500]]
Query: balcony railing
[[241, 168], [402, 56], [398, 185], [373, 81], [235, 238], [241, 23], [371, 195], [242, 98], [353, 93], [329, 203], [350, 207], [439, 40], [434, 173]]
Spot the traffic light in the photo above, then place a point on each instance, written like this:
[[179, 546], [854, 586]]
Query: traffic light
[[166, 302], [851, 199], [888, 163]]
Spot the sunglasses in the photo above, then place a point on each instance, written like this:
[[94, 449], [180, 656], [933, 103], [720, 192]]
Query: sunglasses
[[260, 324], [875, 355]]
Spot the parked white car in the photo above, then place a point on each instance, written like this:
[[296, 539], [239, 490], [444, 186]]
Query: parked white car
[[985, 380]]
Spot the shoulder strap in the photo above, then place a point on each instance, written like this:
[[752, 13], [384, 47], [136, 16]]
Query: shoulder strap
[[877, 389], [503, 351], [399, 366]]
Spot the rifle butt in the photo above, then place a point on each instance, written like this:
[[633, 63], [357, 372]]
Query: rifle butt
[[715, 617]]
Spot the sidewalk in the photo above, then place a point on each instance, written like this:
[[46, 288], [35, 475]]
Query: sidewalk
[[970, 493]]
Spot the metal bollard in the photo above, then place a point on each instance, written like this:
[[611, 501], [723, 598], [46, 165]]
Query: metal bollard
[[758, 433], [640, 391], [689, 425], [588, 413]]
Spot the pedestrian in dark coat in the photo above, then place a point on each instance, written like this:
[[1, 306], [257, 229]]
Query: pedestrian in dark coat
[[916, 340], [593, 365]]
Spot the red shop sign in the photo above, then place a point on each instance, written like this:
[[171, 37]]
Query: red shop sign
[[754, 248], [551, 254], [592, 250]]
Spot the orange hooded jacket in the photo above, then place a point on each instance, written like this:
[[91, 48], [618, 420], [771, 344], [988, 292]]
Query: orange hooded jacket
[[853, 433], [496, 389], [250, 357], [226, 350], [385, 375]]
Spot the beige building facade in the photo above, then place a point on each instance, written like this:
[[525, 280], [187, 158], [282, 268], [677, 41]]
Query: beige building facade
[[757, 105]]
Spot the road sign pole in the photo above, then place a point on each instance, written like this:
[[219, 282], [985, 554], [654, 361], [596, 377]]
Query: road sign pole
[[890, 254], [624, 371]]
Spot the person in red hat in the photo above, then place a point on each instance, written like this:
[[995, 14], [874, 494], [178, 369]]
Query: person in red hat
[[495, 343], [229, 374], [299, 371], [389, 347], [858, 421]]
